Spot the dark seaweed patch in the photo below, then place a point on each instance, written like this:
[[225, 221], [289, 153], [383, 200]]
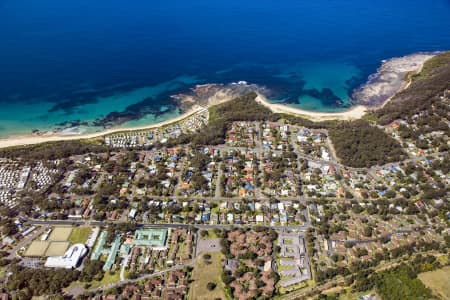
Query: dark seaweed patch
[[326, 96]]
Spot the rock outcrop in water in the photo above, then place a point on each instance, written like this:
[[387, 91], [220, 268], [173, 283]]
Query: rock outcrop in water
[[210, 94], [389, 79]]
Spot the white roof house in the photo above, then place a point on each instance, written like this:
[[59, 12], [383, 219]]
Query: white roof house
[[69, 260], [132, 213], [259, 218]]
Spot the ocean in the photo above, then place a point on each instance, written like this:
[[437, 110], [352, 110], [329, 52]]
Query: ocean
[[74, 64]]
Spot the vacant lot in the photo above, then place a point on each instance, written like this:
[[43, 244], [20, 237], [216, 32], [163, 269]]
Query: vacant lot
[[208, 246], [80, 234], [37, 248], [57, 248], [60, 234], [438, 281], [204, 273]]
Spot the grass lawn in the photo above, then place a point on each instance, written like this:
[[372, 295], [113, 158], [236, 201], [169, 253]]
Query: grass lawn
[[438, 281], [443, 259], [348, 295], [283, 268], [80, 234], [301, 285], [204, 273], [211, 235], [60, 233], [280, 267], [107, 279], [181, 249]]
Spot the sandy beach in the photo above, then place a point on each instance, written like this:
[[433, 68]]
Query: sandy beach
[[384, 85], [221, 95], [36, 139], [355, 112], [218, 95]]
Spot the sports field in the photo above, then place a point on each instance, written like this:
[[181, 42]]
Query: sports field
[[80, 234], [56, 244], [37, 248], [57, 248], [60, 234]]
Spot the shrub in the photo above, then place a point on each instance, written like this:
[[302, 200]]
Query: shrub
[[211, 286]]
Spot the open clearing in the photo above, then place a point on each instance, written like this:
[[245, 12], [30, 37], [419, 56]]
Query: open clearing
[[108, 278], [438, 281], [80, 234], [60, 234], [208, 246], [204, 273]]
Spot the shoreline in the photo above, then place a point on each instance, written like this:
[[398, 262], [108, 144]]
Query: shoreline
[[34, 139], [353, 113], [392, 77], [407, 85]]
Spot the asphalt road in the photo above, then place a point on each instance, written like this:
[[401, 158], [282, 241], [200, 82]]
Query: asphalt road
[[171, 225]]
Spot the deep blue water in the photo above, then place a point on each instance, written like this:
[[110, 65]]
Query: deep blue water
[[82, 59]]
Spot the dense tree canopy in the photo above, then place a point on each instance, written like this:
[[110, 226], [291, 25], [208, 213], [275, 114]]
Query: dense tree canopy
[[53, 150], [358, 144], [240, 109], [35, 282]]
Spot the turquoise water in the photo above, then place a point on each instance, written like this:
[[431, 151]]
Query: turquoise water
[[99, 63], [20, 117], [332, 75]]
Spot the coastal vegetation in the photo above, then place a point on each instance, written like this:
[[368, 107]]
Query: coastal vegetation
[[432, 65], [153, 174], [359, 144], [240, 109], [423, 96], [53, 150], [244, 108]]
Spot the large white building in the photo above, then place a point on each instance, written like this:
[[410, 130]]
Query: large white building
[[70, 259]]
